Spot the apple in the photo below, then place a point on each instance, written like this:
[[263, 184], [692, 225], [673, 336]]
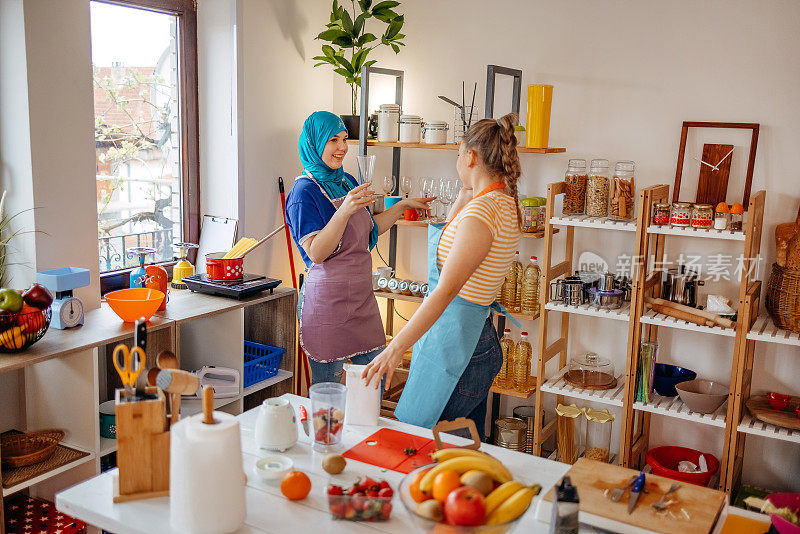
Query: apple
[[31, 316], [465, 506], [38, 296], [10, 300], [6, 320]]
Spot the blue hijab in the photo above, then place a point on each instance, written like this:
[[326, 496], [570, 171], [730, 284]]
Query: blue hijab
[[318, 129]]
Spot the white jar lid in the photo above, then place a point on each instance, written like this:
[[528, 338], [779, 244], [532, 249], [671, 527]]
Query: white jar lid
[[389, 107], [410, 118], [436, 125]]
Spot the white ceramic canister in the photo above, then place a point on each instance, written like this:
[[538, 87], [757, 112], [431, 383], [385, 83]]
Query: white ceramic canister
[[388, 122], [410, 128], [276, 426], [435, 132], [363, 402], [207, 483]]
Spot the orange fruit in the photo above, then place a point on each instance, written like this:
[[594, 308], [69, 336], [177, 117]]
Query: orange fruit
[[417, 494], [444, 483], [295, 485]]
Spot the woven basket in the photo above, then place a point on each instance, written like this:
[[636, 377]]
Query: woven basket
[[19, 450], [783, 298]]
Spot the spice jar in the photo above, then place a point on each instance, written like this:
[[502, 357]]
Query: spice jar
[[597, 188], [413, 287], [410, 129], [393, 285], [622, 190], [388, 122], [737, 217], [568, 432], [681, 214], [575, 186], [403, 287], [721, 216], [702, 216], [598, 434], [661, 214], [532, 209], [383, 283], [435, 132]]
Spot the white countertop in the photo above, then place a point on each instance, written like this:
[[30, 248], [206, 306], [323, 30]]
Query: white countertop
[[269, 511]]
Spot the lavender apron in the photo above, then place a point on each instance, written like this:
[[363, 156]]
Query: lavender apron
[[339, 316]]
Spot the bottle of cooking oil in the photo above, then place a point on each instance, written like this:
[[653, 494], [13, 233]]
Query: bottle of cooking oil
[[530, 287], [522, 363], [508, 289], [504, 377], [515, 273], [500, 296]]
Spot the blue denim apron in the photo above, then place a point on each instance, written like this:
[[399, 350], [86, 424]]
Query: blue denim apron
[[443, 352]]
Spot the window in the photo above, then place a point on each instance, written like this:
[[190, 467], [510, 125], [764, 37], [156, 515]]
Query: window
[[144, 58]]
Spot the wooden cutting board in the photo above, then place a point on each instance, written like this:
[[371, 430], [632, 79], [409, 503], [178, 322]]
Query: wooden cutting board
[[703, 505], [761, 410]]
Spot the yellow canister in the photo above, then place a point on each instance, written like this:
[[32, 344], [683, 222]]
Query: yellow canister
[[540, 99]]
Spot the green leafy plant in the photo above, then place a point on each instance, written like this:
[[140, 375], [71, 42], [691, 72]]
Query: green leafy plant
[[348, 35]]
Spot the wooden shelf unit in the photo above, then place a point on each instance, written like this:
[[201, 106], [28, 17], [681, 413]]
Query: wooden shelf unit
[[452, 146], [424, 224], [646, 322]]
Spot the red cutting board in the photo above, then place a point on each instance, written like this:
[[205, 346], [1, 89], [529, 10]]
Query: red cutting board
[[386, 449]]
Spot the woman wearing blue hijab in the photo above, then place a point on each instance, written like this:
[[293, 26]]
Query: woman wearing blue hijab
[[329, 220]]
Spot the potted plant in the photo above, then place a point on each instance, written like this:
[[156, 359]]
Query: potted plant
[[350, 44]]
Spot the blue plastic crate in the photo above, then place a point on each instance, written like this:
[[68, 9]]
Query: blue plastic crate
[[260, 362]]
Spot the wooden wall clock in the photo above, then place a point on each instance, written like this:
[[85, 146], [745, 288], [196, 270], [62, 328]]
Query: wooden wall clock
[[715, 164]]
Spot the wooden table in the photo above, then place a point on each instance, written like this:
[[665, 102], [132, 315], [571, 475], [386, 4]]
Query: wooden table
[[269, 511]]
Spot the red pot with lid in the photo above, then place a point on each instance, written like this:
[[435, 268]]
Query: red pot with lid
[[218, 268]]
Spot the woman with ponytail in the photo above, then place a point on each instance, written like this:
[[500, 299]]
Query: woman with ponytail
[[456, 349]]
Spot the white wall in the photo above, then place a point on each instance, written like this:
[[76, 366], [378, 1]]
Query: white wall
[[626, 74]]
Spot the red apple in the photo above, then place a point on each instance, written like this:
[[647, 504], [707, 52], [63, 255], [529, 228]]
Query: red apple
[[465, 506], [6, 319], [38, 296]]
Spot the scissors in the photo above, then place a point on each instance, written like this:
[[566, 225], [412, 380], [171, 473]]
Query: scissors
[[129, 363]]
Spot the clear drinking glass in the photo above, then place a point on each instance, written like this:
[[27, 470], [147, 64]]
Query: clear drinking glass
[[428, 191], [406, 185], [366, 168], [388, 185], [327, 419]]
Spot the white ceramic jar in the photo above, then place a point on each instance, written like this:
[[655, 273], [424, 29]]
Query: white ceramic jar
[[435, 132], [388, 122], [410, 129]]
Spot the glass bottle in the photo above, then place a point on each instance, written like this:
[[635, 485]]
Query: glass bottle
[[575, 182], [511, 289], [598, 435], [622, 192], [597, 188], [507, 346], [530, 287], [522, 363]]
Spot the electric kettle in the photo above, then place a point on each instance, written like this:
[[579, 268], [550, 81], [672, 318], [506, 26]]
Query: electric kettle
[[276, 426]]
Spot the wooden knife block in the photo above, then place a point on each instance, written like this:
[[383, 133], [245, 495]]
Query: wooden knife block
[[142, 447]]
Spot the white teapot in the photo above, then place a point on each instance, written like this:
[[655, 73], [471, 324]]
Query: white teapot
[[276, 427]]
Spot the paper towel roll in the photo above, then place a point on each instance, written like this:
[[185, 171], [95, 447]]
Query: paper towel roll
[[363, 402]]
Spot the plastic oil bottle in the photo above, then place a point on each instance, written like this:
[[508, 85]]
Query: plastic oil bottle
[[515, 274], [530, 287], [522, 363], [504, 377]]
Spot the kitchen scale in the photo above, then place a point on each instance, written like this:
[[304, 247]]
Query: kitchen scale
[[248, 285], [67, 309]]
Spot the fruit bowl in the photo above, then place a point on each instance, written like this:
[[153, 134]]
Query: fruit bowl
[[429, 525], [134, 303], [20, 331]]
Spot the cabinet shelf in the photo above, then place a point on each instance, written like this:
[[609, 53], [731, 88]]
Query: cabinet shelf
[[586, 221], [424, 224], [675, 407], [558, 386], [659, 319], [411, 298], [765, 330], [514, 392], [696, 232], [453, 146], [620, 314], [88, 457], [751, 425], [192, 406]]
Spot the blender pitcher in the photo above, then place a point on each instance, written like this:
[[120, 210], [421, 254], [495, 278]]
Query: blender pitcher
[[327, 419]]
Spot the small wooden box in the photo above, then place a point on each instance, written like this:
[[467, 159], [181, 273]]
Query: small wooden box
[[142, 447]]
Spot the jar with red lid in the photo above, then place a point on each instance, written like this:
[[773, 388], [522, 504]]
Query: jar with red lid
[[661, 214], [702, 216], [681, 214]]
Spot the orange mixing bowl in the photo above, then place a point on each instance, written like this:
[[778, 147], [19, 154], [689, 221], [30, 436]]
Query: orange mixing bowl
[[135, 303]]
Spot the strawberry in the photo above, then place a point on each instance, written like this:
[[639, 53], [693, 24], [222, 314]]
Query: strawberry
[[359, 502], [386, 511], [339, 509], [386, 493], [354, 490], [366, 483], [383, 484], [333, 489]]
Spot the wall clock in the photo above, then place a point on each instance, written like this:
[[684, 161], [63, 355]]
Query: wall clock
[[715, 164]]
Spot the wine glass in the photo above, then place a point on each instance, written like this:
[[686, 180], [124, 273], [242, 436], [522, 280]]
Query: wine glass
[[388, 185], [406, 185], [444, 198], [428, 190]]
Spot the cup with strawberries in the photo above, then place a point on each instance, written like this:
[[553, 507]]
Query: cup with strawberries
[[327, 415], [365, 500]]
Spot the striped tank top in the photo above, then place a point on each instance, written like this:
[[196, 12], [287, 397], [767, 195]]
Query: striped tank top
[[497, 211]]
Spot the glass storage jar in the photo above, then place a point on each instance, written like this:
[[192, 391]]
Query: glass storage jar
[[575, 187], [661, 214], [568, 432], [681, 214], [388, 122], [532, 214], [598, 435], [702, 216], [622, 192], [597, 189], [590, 370]]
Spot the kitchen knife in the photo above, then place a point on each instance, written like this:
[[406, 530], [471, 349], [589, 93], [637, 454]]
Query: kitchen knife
[[636, 492], [304, 420]]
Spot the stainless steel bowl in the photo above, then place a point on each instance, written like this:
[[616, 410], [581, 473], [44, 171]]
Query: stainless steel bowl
[[608, 300]]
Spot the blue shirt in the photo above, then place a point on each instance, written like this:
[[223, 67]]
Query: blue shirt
[[308, 210]]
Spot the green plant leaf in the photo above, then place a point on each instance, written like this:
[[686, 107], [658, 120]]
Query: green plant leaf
[[394, 27], [385, 15], [366, 38], [386, 4], [328, 51], [341, 72], [347, 23], [331, 35], [359, 58], [370, 62], [346, 64], [344, 41], [395, 48], [358, 25]]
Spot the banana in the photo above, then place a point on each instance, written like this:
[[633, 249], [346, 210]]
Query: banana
[[446, 454], [462, 464], [500, 494], [514, 506]]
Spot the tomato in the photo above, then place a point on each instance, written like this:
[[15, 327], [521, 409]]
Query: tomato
[[295, 485], [386, 493], [445, 482], [465, 506], [417, 494]]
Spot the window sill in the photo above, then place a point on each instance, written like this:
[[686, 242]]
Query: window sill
[[120, 279]]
